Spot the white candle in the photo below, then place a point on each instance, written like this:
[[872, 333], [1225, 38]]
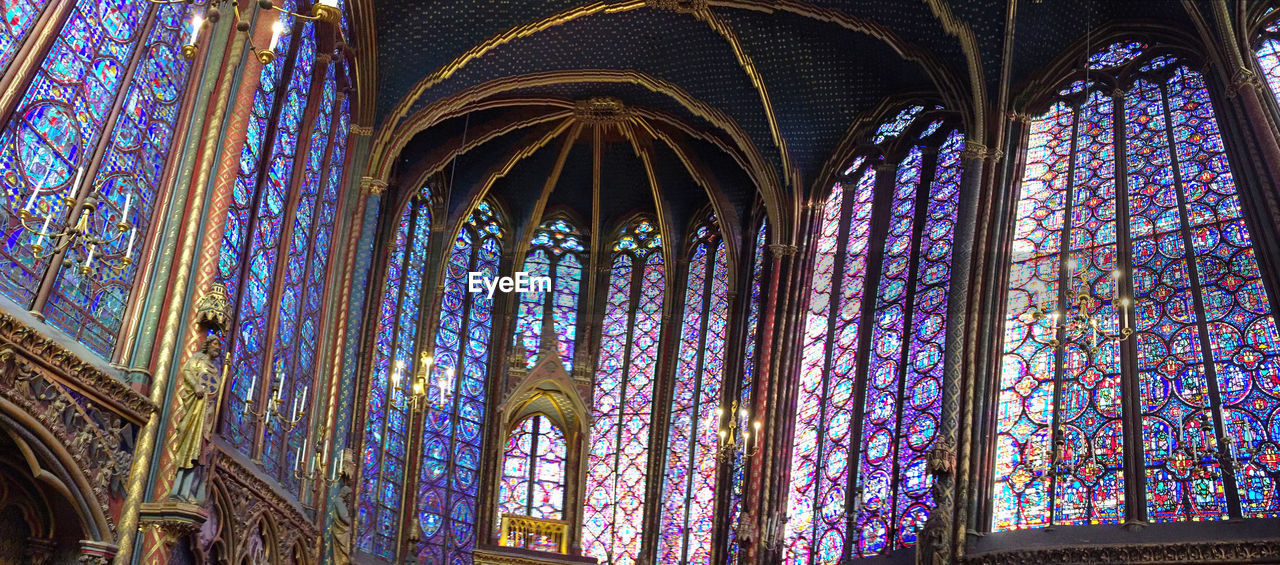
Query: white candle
[[31, 201], [253, 380], [44, 228], [128, 250], [128, 201], [277, 30], [79, 177], [197, 22], [88, 262], [297, 460]]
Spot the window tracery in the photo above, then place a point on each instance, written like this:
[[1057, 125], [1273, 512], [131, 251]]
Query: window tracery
[[274, 252], [866, 414], [533, 473], [1136, 179], [387, 416], [68, 137], [622, 408], [449, 477], [556, 252], [689, 482]]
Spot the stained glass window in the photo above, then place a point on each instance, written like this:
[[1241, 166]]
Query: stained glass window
[[275, 249], [866, 463], [68, 137], [533, 471], [750, 369], [556, 253], [1268, 54], [386, 416], [689, 484], [240, 225], [16, 21], [255, 297], [622, 405], [1130, 196], [450, 477]]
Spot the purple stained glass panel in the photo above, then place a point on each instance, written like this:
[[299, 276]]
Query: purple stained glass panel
[[622, 404], [448, 484], [385, 434]]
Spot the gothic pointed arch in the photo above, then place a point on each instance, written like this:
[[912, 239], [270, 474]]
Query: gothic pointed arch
[[622, 401], [871, 366], [1128, 196]]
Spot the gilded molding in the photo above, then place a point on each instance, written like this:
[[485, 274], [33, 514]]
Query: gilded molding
[[356, 129], [678, 6], [600, 110], [1197, 552], [372, 185], [65, 366]]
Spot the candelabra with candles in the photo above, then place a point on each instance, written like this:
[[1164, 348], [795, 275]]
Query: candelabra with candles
[[733, 442], [419, 393], [1076, 320], [272, 411], [321, 10], [91, 239], [312, 473]]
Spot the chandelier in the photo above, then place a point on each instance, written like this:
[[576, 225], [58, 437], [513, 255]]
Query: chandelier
[[273, 411], [321, 10], [420, 391], [732, 442], [89, 238], [1076, 322]]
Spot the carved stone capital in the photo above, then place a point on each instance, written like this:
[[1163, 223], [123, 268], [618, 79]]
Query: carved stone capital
[[781, 250], [973, 150], [600, 110], [372, 185], [172, 520], [1243, 78]]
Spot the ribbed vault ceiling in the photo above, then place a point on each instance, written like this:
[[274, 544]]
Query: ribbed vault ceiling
[[720, 100]]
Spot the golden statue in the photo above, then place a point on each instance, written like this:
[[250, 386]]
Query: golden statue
[[197, 396]]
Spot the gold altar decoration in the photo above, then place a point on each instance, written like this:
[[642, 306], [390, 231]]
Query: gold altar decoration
[[537, 534]]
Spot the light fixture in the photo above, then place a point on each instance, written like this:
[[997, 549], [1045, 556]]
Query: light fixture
[[313, 471], [1075, 322], [272, 411], [90, 239], [732, 442], [324, 10]]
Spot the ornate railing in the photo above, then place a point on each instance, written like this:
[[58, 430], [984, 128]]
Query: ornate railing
[[536, 534]]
